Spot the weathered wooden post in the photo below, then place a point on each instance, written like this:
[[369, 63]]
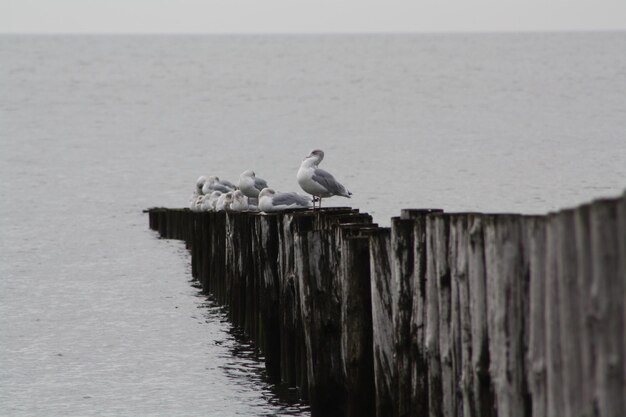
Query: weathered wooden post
[[216, 230], [461, 324], [293, 364], [382, 320], [356, 322], [266, 261], [418, 359], [536, 363], [482, 385], [439, 313], [621, 230], [506, 296], [320, 309], [607, 304], [402, 281], [237, 286], [554, 367], [569, 312]]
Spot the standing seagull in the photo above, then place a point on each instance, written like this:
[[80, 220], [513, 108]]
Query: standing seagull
[[318, 182], [250, 185]]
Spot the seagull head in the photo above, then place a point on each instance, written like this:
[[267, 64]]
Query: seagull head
[[316, 155]]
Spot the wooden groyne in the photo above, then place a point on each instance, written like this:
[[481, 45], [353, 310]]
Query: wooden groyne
[[442, 314]]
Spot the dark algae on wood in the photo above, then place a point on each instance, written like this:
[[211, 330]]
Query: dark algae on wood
[[441, 314]]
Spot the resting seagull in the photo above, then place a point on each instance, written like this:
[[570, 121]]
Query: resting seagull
[[199, 184], [240, 202], [250, 185], [224, 201], [215, 184], [271, 201], [215, 195], [318, 182]]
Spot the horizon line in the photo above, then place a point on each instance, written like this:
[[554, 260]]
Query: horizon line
[[313, 33]]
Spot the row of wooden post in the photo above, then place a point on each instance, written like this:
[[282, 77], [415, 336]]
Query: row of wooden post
[[442, 314]]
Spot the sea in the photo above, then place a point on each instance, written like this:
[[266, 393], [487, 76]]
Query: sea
[[100, 317]]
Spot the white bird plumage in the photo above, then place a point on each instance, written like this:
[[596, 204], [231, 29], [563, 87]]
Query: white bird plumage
[[224, 201], [272, 201], [240, 202], [251, 185], [316, 181], [213, 183]]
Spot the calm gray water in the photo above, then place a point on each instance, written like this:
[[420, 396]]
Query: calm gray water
[[99, 317]]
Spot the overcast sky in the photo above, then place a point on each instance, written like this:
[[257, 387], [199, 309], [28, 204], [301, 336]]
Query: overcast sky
[[279, 16]]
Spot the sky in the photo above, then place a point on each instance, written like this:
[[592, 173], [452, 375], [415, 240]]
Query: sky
[[308, 16]]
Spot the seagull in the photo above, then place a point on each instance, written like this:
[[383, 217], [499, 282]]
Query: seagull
[[196, 204], [197, 192], [206, 203], [224, 201], [318, 182], [271, 201], [240, 201], [250, 185], [199, 184], [213, 183], [213, 197]]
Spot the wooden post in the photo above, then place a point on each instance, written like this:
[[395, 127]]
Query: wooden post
[[431, 337], [356, 321], [440, 235], [382, 320], [554, 367], [419, 367], [570, 317], [461, 314], [607, 303], [265, 257], [621, 230], [536, 369], [482, 385], [320, 313], [505, 273], [293, 366], [583, 277], [402, 277]]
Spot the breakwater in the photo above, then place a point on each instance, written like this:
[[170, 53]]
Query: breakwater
[[441, 314]]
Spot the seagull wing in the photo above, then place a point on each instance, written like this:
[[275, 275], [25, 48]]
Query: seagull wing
[[260, 184], [289, 199], [220, 187], [326, 180]]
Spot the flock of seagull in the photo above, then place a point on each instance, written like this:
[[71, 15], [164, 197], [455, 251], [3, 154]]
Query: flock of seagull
[[252, 193]]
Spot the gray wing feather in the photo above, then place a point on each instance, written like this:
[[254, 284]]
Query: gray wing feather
[[260, 184], [228, 184], [220, 187], [326, 180], [291, 198]]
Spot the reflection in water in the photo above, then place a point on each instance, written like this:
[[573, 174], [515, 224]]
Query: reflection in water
[[243, 363]]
